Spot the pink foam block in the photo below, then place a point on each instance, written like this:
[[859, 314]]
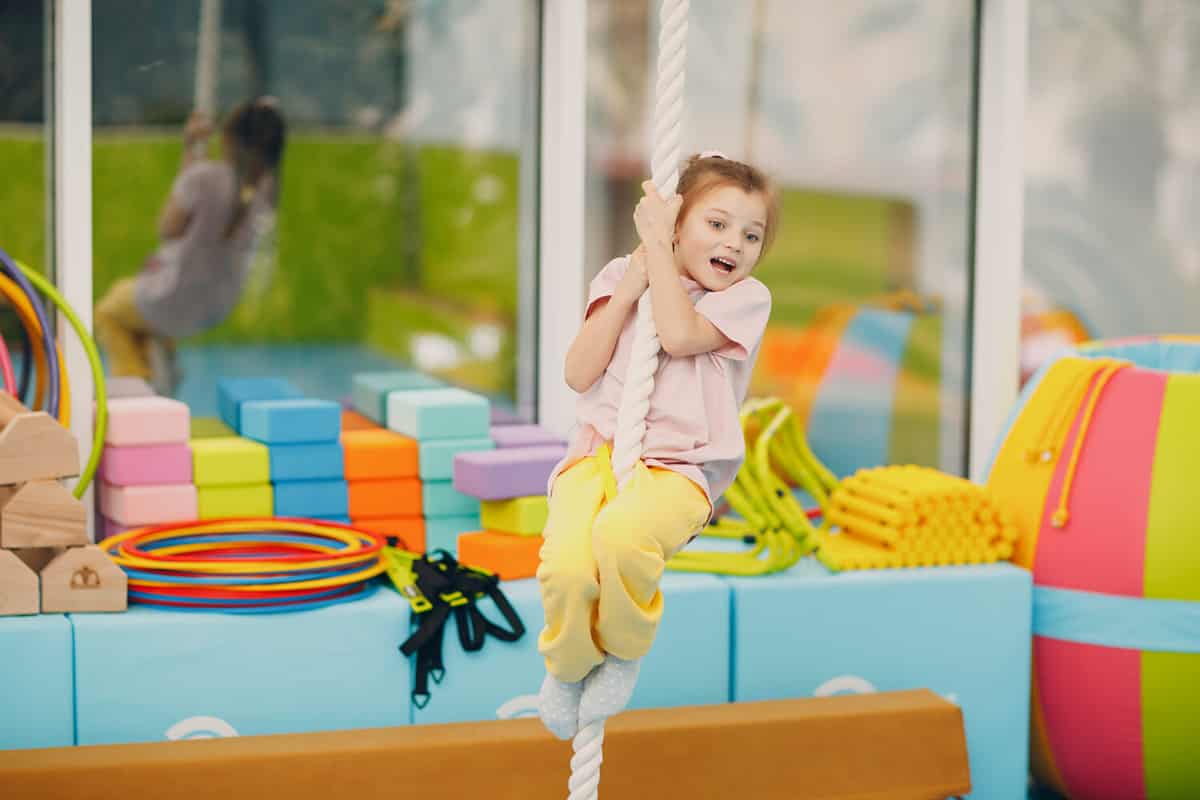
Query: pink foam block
[[507, 473], [147, 420], [146, 465], [147, 505], [524, 436]]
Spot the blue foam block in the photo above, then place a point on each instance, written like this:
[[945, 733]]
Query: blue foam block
[[312, 499], [963, 632], [37, 702], [441, 533], [206, 674], [441, 499], [293, 421], [439, 414], [688, 665], [306, 462], [232, 392], [370, 389], [436, 456]]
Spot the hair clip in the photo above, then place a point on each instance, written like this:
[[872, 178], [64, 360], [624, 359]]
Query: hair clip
[[714, 154]]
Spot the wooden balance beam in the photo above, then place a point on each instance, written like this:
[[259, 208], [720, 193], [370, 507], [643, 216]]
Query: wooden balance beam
[[897, 745]]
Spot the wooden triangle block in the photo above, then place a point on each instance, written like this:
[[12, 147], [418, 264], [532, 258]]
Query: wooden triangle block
[[33, 445], [83, 579], [18, 586], [41, 514]]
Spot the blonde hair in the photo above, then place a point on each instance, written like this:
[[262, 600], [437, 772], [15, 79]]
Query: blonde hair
[[704, 172]]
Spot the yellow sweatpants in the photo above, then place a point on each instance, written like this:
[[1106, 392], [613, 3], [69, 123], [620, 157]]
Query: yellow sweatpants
[[122, 333], [603, 556]]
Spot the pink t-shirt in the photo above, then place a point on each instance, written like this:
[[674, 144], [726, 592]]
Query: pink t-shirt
[[692, 426]]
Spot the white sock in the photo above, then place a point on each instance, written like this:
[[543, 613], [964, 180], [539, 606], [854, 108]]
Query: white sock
[[558, 706], [608, 689]]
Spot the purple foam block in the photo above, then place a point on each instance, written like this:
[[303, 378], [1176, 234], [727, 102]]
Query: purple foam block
[[507, 473], [524, 436], [146, 465], [501, 416]]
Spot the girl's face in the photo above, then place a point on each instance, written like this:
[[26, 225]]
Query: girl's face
[[721, 238]]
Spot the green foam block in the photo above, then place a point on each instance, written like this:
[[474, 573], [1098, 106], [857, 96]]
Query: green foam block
[[229, 461], [435, 457], [439, 414], [441, 499], [370, 390], [235, 501]]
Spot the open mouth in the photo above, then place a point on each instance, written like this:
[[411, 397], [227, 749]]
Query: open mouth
[[723, 265]]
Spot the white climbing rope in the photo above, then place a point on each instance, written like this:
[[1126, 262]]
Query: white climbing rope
[[643, 361]]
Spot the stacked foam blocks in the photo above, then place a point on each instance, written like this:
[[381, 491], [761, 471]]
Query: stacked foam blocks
[[47, 561], [302, 437], [145, 471], [510, 483], [441, 422]]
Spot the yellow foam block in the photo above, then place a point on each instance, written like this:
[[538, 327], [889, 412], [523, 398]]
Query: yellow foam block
[[256, 500], [524, 515], [229, 461], [907, 516]]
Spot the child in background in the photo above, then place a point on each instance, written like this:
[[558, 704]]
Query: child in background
[[209, 229], [604, 553]]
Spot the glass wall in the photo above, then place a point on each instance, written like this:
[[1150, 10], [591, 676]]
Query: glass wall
[[404, 200], [26, 149], [862, 113], [1112, 171]]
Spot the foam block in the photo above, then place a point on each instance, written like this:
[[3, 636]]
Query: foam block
[[230, 461], [379, 453], [506, 554], [235, 501], [210, 428], [524, 436], [441, 533], [507, 473], [106, 527], [127, 387], [441, 499], [888, 630], [215, 674], [523, 515], [147, 420], [36, 706], [438, 414], [688, 665], [396, 497], [371, 389], [305, 462], [503, 416], [233, 392], [146, 505], [146, 464], [437, 455], [354, 421], [410, 531], [311, 499], [292, 421]]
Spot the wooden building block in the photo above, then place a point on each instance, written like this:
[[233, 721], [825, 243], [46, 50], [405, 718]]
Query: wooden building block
[[33, 445], [83, 579], [886, 746], [36, 557], [41, 514], [18, 586]]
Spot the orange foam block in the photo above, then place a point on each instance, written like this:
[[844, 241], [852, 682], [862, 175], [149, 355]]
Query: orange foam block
[[354, 421], [509, 555], [392, 497], [378, 453], [409, 530]]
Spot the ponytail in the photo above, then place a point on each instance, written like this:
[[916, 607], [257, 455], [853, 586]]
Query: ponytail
[[256, 132]]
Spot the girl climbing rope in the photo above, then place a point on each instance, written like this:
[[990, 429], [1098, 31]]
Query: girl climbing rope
[[210, 226], [605, 551]]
